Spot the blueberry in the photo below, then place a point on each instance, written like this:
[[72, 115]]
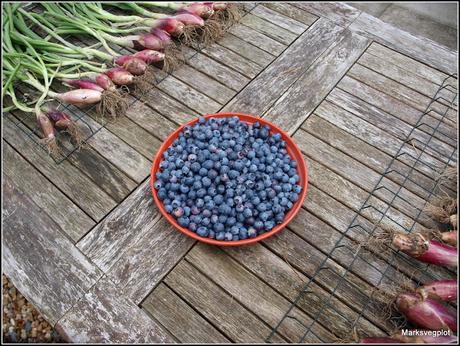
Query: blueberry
[[247, 213], [183, 221], [169, 208], [228, 236], [202, 231], [252, 233], [297, 189], [220, 236], [178, 212], [218, 199]]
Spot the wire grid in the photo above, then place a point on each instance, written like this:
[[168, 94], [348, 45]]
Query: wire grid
[[448, 86], [81, 116]]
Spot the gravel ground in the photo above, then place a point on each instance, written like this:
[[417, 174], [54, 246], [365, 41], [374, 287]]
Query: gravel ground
[[21, 321]]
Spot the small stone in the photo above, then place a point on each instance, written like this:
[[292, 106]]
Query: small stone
[[34, 332], [23, 335]]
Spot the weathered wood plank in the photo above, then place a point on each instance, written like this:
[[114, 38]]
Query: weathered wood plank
[[215, 304], [291, 110], [103, 316], [71, 219], [340, 217], [42, 262], [419, 48], [228, 77], [397, 108], [112, 237], [251, 292], [375, 148], [306, 259], [254, 37], [401, 92], [289, 10], [148, 259], [261, 93], [179, 318], [390, 124], [77, 186], [282, 277], [152, 121], [407, 78], [204, 84], [372, 135], [233, 60], [190, 97], [271, 30], [407, 63], [277, 18], [247, 50], [338, 12]]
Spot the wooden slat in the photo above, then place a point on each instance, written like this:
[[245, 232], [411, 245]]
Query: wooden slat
[[180, 319], [407, 63], [372, 135], [338, 12], [404, 77], [418, 48], [103, 316], [220, 308], [397, 108], [71, 219], [42, 262], [271, 30], [282, 21], [190, 97], [289, 10], [152, 121], [254, 37], [390, 124], [208, 86], [232, 60], [251, 292], [78, 187], [228, 77], [261, 93], [247, 50], [281, 276], [112, 237], [376, 147], [399, 91], [291, 110], [147, 260], [305, 258]]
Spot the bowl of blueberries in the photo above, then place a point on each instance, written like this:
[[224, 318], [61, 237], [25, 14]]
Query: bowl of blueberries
[[229, 179]]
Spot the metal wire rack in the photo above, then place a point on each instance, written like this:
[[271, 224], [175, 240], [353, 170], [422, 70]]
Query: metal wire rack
[[87, 118], [444, 99]]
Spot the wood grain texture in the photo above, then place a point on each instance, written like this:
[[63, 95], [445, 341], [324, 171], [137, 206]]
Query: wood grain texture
[[103, 316], [179, 318], [338, 12], [190, 97], [77, 186], [246, 50], [440, 151], [374, 145], [129, 221], [40, 260], [297, 103], [407, 78], [289, 10], [223, 74], [208, 86], [398, 108], [252, 36], [271, 30], [233, 60], [418, 48], [407, 63], [219, 307], [71, 219], [277, 18], [251, 292], [263, 91], [148, 259], [276, 272]]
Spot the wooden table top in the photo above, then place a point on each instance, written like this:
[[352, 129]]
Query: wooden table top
[[84, 242]]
